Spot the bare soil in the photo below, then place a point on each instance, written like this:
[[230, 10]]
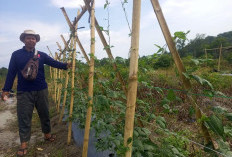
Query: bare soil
[[9, 138]]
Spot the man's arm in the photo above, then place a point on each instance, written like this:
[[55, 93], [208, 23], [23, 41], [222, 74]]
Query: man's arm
[[56, 64], [12, 71]]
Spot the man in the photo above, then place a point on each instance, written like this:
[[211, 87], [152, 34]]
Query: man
[[30, 93]]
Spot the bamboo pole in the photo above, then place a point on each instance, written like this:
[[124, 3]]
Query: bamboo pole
[[61, 77], [206, 57], [67, 19], [219, 59], [65, 43], [72, 85], [227, 47], [132, 88], [170, 43], [179, 64], [82, 49], [66, 83], [108, 50], [55, 77], [50, 52], [90, 88]]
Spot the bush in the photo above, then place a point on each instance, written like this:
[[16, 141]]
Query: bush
[[164, 61]]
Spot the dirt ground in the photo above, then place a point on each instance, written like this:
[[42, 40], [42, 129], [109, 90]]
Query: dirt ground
[[9, 138]]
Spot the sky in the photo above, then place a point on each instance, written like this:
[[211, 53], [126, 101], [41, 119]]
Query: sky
[[209, 17]]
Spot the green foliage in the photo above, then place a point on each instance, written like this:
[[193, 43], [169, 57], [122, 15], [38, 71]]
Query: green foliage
[[164, 61]]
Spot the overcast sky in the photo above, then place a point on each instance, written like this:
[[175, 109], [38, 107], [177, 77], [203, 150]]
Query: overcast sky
[[209, 17]]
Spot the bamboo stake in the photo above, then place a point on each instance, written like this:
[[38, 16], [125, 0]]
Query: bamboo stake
[[61, 77], [72, 85], [66, 84], [170, 43], [50, 52], [55, 77], [219, 59], [65, 43], [91, 77], [84, 9], [108, 50], [67, 19], [227, 47], [50, 68], [179, 64], [82, 49], [206, 57], [132, 88]]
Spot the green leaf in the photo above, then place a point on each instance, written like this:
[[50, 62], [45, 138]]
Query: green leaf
[[161, 122], [206, 82], [129, 140], [159, 90], [198, 79], [148, 147], [180, 35], [229, 116], [146, 131], [171, 95], [186, 75], [195, 61], [216, 125], [228, 130], [219, 109]]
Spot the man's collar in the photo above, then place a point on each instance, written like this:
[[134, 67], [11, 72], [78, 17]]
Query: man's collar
[[24, 48]]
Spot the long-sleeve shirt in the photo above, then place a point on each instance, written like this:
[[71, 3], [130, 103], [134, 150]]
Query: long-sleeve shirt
[[18, 61]]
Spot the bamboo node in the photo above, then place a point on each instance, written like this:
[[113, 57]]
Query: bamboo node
[[133, 77]]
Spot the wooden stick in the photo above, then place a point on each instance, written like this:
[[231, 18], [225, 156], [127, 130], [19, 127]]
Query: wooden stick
[[108, 51], [82, 49], [67, 19], [65, 43], [91, 77], [65, 92], [220, 48], [72, 85], [132, 87], [219, 59], [206, 57], [55, 77], [84, 9], [50, 52], [178, 62], [61, 77]]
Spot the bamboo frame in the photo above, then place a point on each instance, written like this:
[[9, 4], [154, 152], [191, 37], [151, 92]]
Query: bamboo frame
[[132, 88], [91, 80]]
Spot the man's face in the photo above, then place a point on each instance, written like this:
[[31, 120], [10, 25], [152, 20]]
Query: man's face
[[30, 41]]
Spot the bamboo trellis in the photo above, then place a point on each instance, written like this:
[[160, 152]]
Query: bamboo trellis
[[132, 86], [220, 54]]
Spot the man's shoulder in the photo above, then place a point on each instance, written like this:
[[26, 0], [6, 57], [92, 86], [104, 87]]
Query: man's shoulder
[[16, 52]]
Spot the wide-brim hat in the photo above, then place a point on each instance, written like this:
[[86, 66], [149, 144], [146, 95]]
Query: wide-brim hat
[[29, 32]]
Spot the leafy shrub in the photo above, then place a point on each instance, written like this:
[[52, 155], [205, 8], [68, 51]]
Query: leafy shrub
[[164, 61]]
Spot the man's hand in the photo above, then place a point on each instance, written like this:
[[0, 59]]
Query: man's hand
[[4, 95], [69, 65]]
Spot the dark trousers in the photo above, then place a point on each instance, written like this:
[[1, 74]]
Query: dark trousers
[[25, 106]]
